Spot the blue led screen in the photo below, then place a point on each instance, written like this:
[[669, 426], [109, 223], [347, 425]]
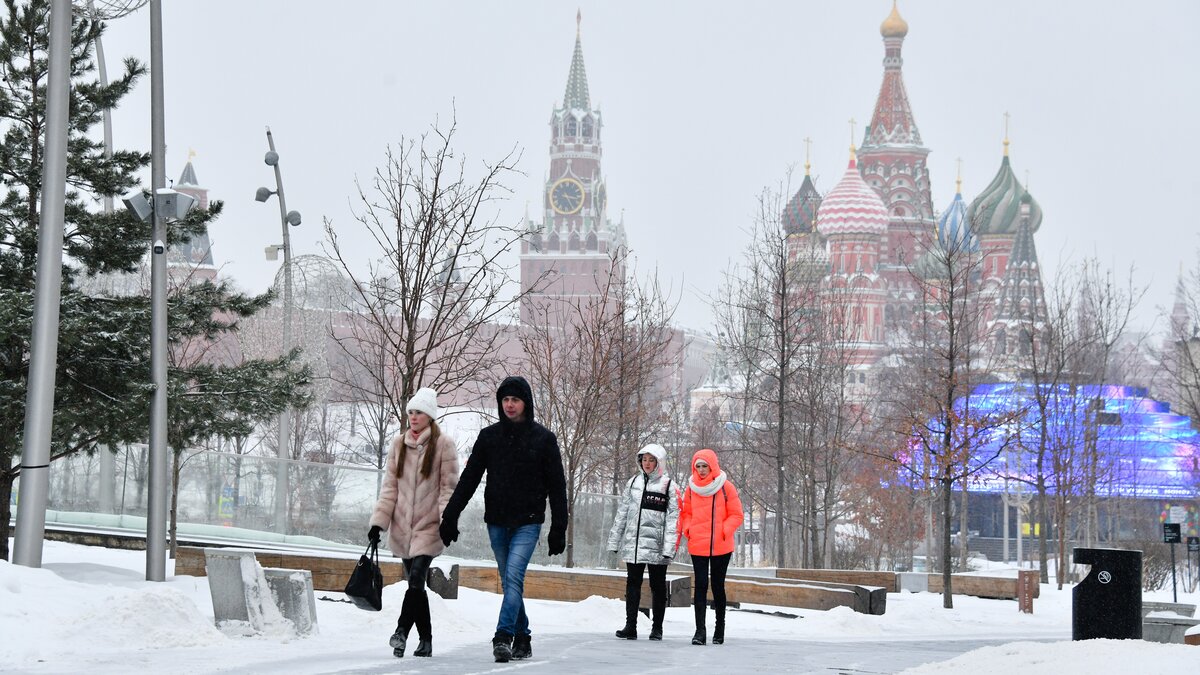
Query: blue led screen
[[1141, 448]]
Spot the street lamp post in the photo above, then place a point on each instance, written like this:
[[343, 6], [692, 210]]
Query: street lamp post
[[286, 218]]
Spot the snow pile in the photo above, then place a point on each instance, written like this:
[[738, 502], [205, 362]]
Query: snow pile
[[1091, 656]]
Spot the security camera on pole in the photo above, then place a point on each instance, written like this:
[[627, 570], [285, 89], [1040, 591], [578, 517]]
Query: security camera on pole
[[285, 418], [168, 205]]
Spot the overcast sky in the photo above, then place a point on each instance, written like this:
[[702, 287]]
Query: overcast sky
[[704, 105]]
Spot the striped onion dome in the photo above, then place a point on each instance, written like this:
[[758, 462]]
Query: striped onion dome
[[996, 211], [953, 228], [801, 210], [852, 207]]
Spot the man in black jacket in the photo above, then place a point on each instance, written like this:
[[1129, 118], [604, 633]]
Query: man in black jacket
[[524, 469]]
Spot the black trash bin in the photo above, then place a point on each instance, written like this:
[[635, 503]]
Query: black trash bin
[[1108, 602]]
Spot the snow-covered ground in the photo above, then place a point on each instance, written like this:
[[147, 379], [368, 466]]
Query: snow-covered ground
[[90, 610]]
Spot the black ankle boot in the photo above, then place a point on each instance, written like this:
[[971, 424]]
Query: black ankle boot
[[502, 647], [719, 633], [423, 623], [698, 638], [522, 647], [656, 633], [629, 632]]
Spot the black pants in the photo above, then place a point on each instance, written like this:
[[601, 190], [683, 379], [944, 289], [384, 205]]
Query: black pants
[[702, 565], [416, 569], [633, 590]]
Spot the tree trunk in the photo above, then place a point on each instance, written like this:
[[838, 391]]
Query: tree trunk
[[6, 486], [175, 468], [947, 502]]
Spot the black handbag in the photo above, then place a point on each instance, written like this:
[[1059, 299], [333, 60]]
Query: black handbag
[[365, 587]]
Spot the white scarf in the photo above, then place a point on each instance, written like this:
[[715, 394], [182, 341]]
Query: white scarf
[[711, 488]]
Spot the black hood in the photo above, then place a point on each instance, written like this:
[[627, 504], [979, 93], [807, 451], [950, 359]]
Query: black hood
[[515, 385]]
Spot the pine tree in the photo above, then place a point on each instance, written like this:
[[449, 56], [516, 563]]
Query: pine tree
[[102, 390]]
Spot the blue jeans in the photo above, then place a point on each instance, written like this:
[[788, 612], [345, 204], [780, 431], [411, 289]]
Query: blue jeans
[[513, 547]]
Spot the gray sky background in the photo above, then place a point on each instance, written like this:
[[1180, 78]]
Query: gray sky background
[[704, 104]]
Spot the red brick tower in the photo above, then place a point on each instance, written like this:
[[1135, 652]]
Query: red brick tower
[[574, 244], [892, 160], [192, 260]]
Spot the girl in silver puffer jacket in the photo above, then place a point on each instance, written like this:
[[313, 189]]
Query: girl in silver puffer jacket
[[644, 533]]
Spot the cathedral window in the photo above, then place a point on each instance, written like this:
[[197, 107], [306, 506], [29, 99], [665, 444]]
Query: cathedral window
[[571, 127], [573, 242], [587, 127], [591, 242], [536, 243], [552, 242]]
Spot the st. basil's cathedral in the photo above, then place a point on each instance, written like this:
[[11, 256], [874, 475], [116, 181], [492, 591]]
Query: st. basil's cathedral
[[884, 243]]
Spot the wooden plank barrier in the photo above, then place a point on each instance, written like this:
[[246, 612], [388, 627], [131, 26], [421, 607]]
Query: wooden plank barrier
[[882, 579], [869, 599], [575, 585], [1003, 588], [328, 573], [790, 593]]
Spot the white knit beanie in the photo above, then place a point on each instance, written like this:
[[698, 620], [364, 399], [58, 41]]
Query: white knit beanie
[[425, 400]]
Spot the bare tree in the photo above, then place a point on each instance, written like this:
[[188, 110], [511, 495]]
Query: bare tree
[[431, 309], [586, 354], [776, 322], [939, 430]]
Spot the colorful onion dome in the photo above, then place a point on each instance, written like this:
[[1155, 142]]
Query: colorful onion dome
[[800, 214], [852, 207], [894, 25], [997, 210], [953, 228], [931, 265]]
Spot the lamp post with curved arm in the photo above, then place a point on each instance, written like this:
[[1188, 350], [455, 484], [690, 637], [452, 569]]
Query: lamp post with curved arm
[[286, 218]]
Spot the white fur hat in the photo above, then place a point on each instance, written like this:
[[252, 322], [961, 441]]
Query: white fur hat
[[425, 400]]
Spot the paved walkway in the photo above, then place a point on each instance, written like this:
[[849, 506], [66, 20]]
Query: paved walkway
[[566, 653]]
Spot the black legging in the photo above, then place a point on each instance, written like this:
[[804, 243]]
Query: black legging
[[658, 580], [720, 565], [416, 569]]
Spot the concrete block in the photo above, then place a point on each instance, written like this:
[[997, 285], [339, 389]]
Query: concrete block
[[242, 602], [443, 585], [1167, 628], [292, 591], [1180, 608], [913, 582]]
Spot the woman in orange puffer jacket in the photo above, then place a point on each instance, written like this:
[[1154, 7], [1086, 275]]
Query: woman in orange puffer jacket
[[711, 515]]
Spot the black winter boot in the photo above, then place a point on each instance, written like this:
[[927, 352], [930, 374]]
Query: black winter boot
[[400, 638], [658, 606], [522, 647], [699, 637], [719, 628], [633, 598], [502, 647], [424, 625]]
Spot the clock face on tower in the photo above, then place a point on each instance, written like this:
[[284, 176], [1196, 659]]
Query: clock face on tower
[[567, 196]]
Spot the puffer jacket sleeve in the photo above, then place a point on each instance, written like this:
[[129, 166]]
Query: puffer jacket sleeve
[[386, 504], [448, 476], [734, 514], [685, 517], [620, 521], [671, 538]]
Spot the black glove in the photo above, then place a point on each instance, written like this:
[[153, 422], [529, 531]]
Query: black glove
[[557, 541], [448, 530], [373, 534]]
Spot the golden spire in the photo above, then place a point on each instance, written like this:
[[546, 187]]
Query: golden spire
[[852, 123], [894, 25], [958, 179], [191, 154], [1006, 116], [578, 21], [807, 155]]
